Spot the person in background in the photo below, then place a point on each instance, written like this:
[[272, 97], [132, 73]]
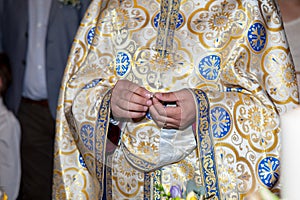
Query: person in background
[[196, 88], [291, 18], [10, 137], [37, 36]]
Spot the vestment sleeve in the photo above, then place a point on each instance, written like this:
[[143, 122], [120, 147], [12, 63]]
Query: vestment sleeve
[[238, 129], [81, 122]]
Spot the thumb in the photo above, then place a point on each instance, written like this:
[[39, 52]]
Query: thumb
[[166, 97]]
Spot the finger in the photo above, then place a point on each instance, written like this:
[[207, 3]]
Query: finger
[[121, 113], [167, 111], [159, 107], [122, 85], [156, 117], [137, 99], [140, 91], [166, 97], [171, 117], [162, 120], [170, 126], [136, 115], [131, 106], [173, 112], [169, 123]]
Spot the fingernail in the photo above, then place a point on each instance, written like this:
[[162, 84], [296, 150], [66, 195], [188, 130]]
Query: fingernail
[[149, 102], [149, 95]]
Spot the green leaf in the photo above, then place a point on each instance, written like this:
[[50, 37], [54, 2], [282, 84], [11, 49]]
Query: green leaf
[[177, 198]]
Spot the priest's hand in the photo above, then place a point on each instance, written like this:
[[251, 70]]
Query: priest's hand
[[174, 110], [129, 100]]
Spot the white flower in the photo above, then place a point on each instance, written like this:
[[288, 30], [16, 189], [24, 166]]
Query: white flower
[[191, 196]]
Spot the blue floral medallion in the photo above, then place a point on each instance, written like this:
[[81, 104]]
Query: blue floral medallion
[[268, 171], [221, 122], [209, 67], [81, 161], [179, 23], [91, 35], [122, 63], [87, 134], [239, 89], [257, 36], [92, 84]]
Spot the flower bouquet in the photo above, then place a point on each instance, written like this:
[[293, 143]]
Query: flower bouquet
[[192, 192], [3, 195]]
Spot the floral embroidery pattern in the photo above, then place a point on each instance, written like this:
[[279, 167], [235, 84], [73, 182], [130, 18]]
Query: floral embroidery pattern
[[280, 75], [227, 174], [92, 84], [209, 67], [257, 36], [268, 171], [81, 161], [218, 23], [221, 122], [87, 134], [256, 122], [234, 174], [179, 22], [257, 118], [154, 66], [271, 15], [122, 63], [90, 35], [121, 19], [129, 179], [287, 74]]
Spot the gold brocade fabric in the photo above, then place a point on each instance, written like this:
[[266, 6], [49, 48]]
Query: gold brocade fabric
[[233, 56]]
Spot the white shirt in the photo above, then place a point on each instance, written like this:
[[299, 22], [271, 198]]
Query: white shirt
[[10, 161], [35, 86]]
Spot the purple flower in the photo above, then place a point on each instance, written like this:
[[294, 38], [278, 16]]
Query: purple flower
[[175, 191]]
